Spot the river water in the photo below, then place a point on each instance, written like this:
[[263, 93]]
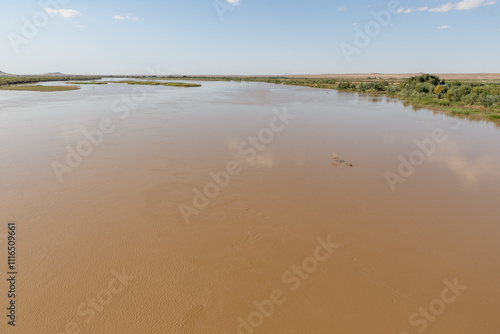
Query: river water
[[223, 209]]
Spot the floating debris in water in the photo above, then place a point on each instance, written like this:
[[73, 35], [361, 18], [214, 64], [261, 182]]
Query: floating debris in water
[[337, 161]]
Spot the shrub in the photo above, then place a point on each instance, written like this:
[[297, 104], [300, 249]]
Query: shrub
[[426, 78], [393, 89], [487, 100], [457, 94], [465, 90], [346, 85], [441, 89], [422, 88], [471, 98]]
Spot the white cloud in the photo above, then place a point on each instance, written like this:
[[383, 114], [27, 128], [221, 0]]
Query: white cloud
[[341, 9], [471, 4], [234, 2], [471, 170], [81, 26], [445, 8], [463, 5], [126, 17], [421, 9], [444, 27], [411, 10], [66, 13]]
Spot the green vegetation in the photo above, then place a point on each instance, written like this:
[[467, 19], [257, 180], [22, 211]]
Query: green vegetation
[[39, 88], [31, 79], [154, 83], [475, 99], [177, 77], [86, 83]]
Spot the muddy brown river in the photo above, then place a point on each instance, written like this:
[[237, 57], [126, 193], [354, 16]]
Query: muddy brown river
[[219, 209]]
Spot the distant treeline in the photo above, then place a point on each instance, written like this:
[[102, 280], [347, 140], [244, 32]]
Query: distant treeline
[[30, 79], [471, 93]]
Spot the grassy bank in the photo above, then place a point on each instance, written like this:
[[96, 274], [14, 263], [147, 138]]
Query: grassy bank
[[86, 83], [32, 79], [155, 83], [39, 88]]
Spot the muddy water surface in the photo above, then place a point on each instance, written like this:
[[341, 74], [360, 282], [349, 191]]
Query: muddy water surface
[[290, 242]]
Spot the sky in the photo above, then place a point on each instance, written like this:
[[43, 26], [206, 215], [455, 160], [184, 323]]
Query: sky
[[249, 37]]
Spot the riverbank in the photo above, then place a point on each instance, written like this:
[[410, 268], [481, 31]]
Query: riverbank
[[39, 88], [154, 83]]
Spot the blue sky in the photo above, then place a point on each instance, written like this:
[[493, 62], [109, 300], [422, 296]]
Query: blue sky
[[248, 36]]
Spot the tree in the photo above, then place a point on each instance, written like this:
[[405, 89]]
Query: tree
[[441, 89]]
